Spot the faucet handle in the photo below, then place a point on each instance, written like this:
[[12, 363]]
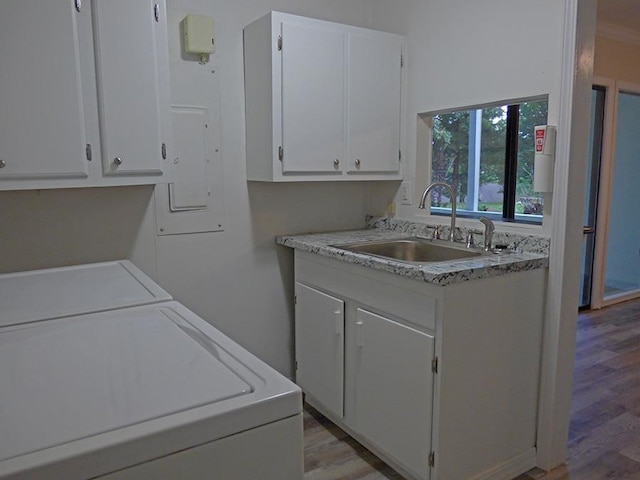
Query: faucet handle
[[470, 242], [489, 227]]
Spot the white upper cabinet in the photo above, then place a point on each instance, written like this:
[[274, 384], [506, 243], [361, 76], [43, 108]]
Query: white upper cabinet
[[374, 102], [82, 84], [322, 101], [313, 99], [42, 126], [131, 53]]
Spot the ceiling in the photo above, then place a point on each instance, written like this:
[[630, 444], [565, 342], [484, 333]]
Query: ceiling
[[624, 13]]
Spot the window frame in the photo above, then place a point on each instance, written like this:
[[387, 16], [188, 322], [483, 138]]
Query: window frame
[[508, 213]]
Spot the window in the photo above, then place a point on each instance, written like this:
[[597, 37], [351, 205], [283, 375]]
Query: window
[[486, 155]]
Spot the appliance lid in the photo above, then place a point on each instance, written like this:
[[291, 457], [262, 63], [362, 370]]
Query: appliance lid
[[71, 378], [61, 292]]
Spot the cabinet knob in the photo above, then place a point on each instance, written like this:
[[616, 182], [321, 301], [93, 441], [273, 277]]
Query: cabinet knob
[[336, 163], [357, 163], [117, 161], [3, 164]]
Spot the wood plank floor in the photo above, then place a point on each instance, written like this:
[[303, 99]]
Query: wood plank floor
[[604, 434]]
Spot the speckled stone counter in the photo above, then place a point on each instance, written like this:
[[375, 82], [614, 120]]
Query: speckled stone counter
[[437, 273]]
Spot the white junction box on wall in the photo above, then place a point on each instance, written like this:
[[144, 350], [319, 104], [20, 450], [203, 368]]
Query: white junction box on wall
[[199, 36]]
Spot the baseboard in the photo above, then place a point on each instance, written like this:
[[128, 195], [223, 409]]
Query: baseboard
[[511, 468], [507, 470]]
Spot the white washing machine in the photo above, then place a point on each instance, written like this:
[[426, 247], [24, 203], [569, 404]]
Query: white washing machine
[[103, 376]]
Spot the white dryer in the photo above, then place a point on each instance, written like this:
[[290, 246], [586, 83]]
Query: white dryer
[[103, 376]]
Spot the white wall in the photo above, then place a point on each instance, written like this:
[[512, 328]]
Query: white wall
[[460, 53], [618, 59], [48, 228], [465, 53], [616, 65], [237, 279]]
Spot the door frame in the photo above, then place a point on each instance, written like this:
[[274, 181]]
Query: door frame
[[613, 88], [604, 195]]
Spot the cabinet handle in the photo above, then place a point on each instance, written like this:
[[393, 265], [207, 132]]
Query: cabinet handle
[[336, 163], [338, 315], [3, 164], [117, 161], [359, 338], [357, 163]]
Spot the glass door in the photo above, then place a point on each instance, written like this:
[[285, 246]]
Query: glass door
[[622, 270]]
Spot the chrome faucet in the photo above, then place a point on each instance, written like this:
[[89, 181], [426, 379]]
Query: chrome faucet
[[452, 195], [489, 227]]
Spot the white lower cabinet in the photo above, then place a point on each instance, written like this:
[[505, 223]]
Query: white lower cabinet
[[439, 382], [320, 346], [392, 387]]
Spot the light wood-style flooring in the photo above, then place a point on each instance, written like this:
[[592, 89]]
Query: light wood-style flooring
[[604, 435]]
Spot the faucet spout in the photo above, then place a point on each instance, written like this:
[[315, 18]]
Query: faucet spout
[[452, 195]]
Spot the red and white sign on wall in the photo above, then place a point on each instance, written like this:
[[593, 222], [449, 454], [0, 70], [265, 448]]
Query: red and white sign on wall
[[539, 139], [543, 160]]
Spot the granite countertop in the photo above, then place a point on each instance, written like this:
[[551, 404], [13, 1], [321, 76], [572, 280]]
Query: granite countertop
[[437, 273]]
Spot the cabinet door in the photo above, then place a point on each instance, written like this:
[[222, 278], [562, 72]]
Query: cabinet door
[[393, 388], [320, 346], [42, 129], [131, 53], [374, 102], [313, 125]]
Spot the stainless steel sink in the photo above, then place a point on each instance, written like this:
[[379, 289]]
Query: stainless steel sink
[[413, 250]]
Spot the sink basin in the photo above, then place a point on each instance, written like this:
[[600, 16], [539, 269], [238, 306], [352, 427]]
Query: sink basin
[[413, 250]]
